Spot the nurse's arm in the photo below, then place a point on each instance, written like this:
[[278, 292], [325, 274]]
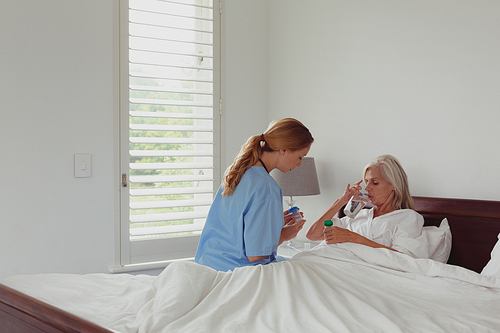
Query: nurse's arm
[[254, 259], [289, 231]]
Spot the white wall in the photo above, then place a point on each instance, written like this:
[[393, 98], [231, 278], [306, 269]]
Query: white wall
[[56, 98], [415, 79], [246, 74]]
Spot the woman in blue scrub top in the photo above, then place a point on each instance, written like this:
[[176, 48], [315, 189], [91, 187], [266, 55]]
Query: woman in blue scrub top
[[246, 222]]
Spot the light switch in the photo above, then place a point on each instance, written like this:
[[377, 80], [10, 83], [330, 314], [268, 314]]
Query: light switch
[[83, 165]]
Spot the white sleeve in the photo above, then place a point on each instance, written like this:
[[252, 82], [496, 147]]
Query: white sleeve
[[407, 237], [343, 222]]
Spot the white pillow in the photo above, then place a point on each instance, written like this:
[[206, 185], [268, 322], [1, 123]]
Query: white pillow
[[439, 240], [492, 268]]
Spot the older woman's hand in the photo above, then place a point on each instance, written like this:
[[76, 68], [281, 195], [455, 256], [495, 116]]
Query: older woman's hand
[[335, 235], [351, 191]]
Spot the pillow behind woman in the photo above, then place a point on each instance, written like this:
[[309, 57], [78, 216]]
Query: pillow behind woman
[[492, 268]]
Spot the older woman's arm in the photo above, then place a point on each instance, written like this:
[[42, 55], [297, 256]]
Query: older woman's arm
[[335, 235], [315, 231], [406, 235]]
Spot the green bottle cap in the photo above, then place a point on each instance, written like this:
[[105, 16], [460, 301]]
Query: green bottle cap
[[328, 223]]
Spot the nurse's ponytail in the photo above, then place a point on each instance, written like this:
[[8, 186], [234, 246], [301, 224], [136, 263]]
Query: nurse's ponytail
[[286, 133]]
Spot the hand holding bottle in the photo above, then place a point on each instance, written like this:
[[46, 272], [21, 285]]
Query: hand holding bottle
[[334, 234], [296, 214]]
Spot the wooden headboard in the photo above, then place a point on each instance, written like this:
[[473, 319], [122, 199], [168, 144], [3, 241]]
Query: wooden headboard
[[474, 224]]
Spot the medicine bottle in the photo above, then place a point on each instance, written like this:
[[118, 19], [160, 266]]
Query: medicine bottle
[[296, 214]]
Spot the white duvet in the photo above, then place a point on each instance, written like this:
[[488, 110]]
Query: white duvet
[[332, 288]]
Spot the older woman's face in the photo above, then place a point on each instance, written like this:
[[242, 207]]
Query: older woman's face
[[379, 190]]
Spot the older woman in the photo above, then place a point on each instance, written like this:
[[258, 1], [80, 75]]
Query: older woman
[[391, 223]]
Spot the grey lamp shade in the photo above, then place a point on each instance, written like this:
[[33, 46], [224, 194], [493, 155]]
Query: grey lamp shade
[[300, 181]]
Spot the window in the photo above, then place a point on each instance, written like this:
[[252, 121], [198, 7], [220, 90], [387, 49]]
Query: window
[[170, 127]]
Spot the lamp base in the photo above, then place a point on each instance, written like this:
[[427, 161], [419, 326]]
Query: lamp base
[[291, 245]]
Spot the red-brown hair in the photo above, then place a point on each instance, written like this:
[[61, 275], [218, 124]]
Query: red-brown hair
[[287, 133]]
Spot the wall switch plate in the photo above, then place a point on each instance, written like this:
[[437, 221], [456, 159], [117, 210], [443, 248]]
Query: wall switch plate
[[83, 165]]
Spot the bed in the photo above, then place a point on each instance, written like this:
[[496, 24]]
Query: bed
[[332, 288]]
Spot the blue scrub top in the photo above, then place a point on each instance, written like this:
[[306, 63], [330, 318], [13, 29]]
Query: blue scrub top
[[247, 223]]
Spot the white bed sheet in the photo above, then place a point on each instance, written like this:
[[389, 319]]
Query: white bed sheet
[[332, 288]]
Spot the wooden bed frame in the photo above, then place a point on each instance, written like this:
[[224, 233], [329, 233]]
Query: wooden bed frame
[[474, 225]]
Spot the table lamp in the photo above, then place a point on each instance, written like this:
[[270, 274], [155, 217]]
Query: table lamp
[[298, 182]]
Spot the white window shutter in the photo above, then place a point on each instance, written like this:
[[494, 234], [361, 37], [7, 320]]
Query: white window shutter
[[172, 139]]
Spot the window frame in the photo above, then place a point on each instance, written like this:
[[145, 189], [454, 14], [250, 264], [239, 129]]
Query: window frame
[[153, 253]]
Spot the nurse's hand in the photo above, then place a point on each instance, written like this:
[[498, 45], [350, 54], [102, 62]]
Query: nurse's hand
[[289, 219], [291, 230]]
